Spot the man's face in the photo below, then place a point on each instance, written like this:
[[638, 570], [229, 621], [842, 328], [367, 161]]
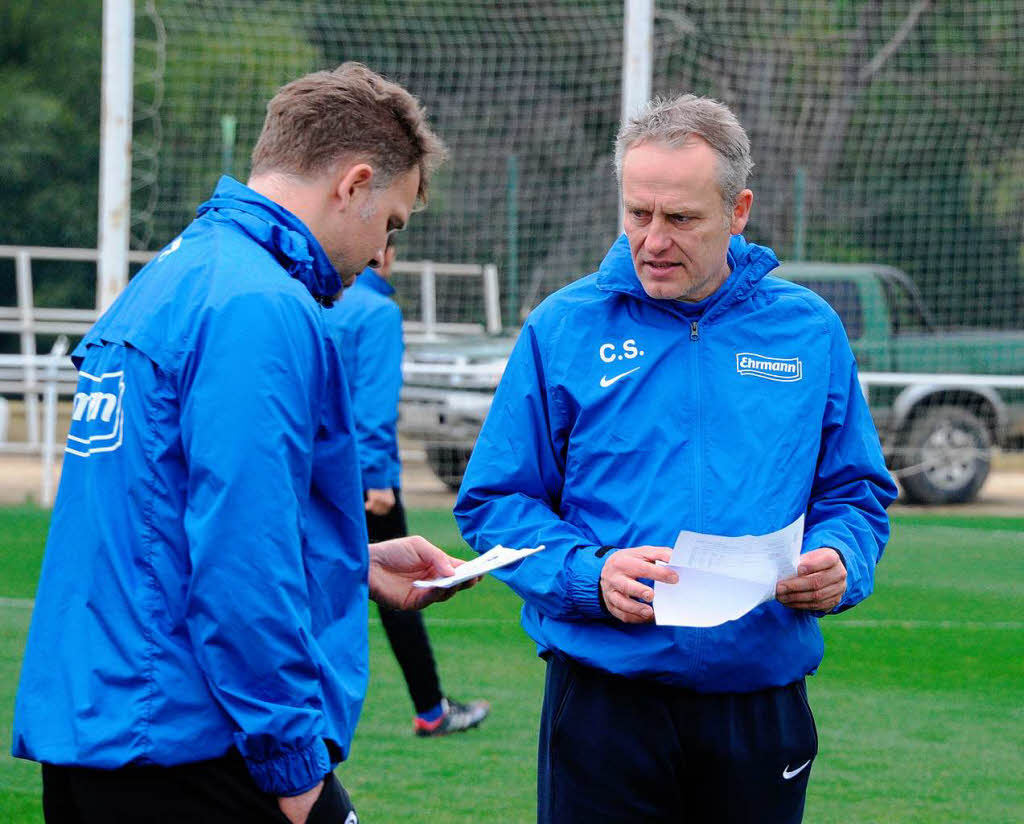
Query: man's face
[[360, 237], [675, 221]]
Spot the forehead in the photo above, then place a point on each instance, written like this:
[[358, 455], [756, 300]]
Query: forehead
[[654, 170], [399, 197]]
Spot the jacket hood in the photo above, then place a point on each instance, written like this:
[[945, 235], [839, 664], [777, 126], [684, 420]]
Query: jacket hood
[[278, 231], [371, 280], [748, 262]]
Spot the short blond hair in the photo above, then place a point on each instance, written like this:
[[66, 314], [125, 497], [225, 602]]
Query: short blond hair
[[350, 112]]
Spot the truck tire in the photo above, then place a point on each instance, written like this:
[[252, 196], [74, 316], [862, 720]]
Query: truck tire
[[946, 456], [448, 463]]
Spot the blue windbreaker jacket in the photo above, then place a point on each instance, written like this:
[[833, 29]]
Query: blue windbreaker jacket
[[620, 421], [367, 327], [205, 577]]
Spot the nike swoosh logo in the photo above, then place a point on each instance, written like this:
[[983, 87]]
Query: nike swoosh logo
[[788, 773], [606, 381]]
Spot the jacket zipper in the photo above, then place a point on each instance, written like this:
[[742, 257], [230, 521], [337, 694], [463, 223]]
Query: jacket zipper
[[698, 454], [699, 451]]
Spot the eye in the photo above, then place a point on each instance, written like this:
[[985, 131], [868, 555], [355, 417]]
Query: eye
[[639, 215], [679, 220]]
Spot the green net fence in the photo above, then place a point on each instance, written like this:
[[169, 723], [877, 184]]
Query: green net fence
[[884, 133]]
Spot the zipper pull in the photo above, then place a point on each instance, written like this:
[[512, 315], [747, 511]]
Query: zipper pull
[[693, 330]]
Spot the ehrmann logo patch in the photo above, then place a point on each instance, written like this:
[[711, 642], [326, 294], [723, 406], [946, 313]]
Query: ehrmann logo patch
[[765, 366]]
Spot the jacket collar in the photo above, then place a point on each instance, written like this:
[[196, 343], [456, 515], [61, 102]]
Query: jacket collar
[[748, 264], [278, 231], [369, 279]]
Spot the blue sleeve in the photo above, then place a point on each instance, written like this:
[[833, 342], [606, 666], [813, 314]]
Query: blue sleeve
[[851, 487], [375, 388], [512, 488], [250, 394]]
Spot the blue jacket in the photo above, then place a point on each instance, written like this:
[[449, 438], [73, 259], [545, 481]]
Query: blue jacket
[[367, 327], [620, 420], [205, 577]]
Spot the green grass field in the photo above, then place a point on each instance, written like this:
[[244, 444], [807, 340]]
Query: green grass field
[[920, 701]]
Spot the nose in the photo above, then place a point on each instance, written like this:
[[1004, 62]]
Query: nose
[[377, 260], [657, 239]]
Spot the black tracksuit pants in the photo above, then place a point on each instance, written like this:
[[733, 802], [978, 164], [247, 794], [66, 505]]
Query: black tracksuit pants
[[218, 791], [616, 749], [405, 630]]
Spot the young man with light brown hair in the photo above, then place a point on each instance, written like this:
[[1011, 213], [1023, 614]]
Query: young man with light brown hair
[[198, 649]]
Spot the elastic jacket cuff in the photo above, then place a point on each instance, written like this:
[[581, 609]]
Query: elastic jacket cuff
[[585, 582], [292, 773], [377, 479]]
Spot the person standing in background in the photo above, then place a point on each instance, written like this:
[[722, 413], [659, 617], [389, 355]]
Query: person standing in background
[[367, 326]]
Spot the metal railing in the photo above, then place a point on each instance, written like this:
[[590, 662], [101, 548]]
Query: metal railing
[[40, 379], [28, 320], [428, 327]]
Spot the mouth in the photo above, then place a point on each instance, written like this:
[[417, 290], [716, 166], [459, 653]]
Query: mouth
[[661, 267]]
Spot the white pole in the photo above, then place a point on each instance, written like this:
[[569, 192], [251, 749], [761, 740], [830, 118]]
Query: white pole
[[637, 55], [115, 150], [637, 58], [428, 300], [492, 300], [26, 311]]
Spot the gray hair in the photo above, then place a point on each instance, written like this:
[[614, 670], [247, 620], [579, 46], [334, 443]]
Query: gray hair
[[671, 121]]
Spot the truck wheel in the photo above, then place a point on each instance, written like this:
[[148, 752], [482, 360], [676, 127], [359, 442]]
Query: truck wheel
[[448, 463], [946, 458]]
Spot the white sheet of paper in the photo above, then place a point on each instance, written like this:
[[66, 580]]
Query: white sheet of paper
[[706, 599], [495, 558], [722, 578]]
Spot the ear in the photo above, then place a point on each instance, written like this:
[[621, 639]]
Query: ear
[[741, 211], [353, 184]]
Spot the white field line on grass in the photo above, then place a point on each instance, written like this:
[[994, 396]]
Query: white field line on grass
[[845, 623], [896, 623], [961, 530]]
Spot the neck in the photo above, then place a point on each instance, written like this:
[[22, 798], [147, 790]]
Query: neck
[[294, 193]]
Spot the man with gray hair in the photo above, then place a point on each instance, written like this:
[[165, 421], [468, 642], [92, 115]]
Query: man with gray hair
[[625, 416], [198, 649]]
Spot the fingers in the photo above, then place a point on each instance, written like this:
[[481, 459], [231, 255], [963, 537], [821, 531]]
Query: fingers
[[634, 568], [819, 586], [627, 610], [443, 563], [819, 600], [626, 596], [818, 560]]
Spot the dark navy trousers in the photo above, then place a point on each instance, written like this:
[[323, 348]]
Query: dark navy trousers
[[217, 791], [617, 750]]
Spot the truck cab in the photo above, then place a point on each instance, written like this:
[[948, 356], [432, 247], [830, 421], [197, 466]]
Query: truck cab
[[935, 393]]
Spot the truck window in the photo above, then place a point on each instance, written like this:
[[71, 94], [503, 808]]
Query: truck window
[[844, 297], [905, 312]]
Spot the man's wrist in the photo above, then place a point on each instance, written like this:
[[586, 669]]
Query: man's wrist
[[584, 585], [291, 773]]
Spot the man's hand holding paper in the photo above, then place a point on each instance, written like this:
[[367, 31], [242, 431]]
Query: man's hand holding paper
[[722, 578], [819, 584], [623, 591]]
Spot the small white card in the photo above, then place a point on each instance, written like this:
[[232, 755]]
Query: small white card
[[494, 558]]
